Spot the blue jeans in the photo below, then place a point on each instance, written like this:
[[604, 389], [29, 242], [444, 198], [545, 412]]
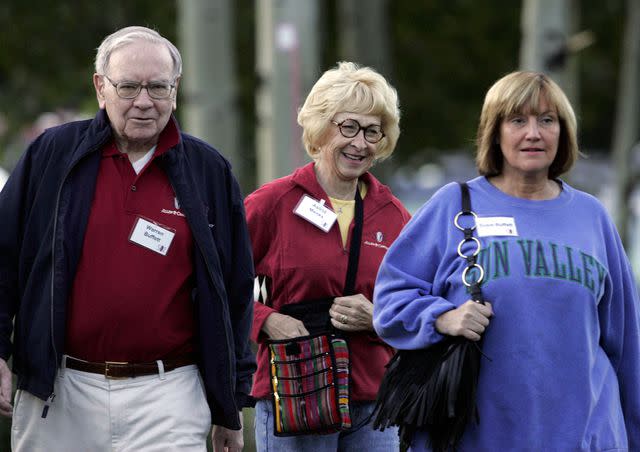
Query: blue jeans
[[360, 437]]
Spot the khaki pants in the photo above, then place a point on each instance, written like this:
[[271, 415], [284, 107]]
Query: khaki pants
[[164, 412]]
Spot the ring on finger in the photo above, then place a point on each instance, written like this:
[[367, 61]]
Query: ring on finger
[[343, 319]]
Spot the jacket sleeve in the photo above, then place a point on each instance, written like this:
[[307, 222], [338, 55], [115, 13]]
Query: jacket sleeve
[[11, 201], [260, 223], [241, 300], [408, 295], [620, 333], [14, 209]]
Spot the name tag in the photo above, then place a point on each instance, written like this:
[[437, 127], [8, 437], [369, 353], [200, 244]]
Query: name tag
[[315, 212], [492, 226], [152, 236]]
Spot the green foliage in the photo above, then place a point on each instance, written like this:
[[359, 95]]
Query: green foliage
[[446, 55], [47, 52], [599, 66]]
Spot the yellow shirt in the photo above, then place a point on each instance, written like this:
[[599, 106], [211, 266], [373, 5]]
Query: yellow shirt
[[345, 209]]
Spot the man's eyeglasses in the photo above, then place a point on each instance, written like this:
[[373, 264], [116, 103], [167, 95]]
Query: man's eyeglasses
[[130, 90], [349, 128]]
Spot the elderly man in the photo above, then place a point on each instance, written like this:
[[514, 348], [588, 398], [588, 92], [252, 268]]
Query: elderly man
[[126, 264]]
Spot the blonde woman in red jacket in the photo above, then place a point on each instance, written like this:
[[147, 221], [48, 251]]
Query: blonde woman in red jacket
[[301, 228]]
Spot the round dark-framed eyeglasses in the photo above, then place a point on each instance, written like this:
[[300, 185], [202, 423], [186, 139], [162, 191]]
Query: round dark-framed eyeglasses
[[130, 90], [349, 128]]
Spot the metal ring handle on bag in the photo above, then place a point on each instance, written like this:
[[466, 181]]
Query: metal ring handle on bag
[[466, 270], [455, 220], [465, 240]]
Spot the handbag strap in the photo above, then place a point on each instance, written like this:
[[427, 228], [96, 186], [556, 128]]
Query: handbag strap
[[472, 258], [262, 284], [354, 249]]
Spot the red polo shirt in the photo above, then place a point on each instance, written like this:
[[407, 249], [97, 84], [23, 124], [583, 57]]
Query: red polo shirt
[[129, 303]]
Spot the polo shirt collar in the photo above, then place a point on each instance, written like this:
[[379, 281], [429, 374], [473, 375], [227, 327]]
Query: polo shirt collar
[[168, 138]]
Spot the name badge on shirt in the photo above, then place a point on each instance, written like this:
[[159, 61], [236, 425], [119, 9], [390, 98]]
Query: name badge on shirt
[[152, 236], [315, 212], [492, 226]]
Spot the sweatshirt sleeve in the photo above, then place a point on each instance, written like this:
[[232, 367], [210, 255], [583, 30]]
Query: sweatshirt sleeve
[[411, 285], [620, 333]]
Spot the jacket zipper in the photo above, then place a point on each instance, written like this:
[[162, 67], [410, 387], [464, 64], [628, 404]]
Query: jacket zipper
[[47, 403], [52, 396]]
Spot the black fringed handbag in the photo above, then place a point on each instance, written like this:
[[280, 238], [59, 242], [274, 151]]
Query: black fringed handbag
[[434, 389]]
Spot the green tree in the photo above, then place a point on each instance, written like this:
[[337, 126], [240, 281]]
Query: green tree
[[47, 52], [446, 55]]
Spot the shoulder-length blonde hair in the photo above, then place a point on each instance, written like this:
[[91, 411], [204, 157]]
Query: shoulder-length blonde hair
[[520, 92], [350, 88]]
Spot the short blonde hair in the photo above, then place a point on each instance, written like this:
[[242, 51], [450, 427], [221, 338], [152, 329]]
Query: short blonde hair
[[354, 89], [519, 92]]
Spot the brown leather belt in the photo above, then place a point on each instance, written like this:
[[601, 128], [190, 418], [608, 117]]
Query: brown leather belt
[[112, 369]]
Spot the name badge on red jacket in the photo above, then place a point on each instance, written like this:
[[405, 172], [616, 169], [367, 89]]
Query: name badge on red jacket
[[153, 236], [315, 212]]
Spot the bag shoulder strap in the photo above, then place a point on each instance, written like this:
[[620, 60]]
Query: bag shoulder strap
[[354, 248], [473, 270], [262, 284]]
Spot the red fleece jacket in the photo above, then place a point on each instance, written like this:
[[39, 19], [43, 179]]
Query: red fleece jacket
[[304, 263]]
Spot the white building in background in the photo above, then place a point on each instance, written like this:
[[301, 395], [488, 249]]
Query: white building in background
[[4, 175]]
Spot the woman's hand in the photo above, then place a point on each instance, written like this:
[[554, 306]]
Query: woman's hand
[[280, 326], [469, 320], [352, 313]]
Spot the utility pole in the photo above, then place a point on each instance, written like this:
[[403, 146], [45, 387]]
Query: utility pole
[[208, 92], [545, 29], [364, 35], [287, 60], [627, 120]]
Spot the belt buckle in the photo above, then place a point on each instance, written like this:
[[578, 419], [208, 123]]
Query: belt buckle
[[109, 365]]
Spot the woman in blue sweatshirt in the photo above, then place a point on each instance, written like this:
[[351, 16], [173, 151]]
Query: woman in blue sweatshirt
[[561, 325]]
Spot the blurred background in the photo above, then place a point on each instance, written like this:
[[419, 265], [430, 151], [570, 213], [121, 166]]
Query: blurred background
[[248, 66]]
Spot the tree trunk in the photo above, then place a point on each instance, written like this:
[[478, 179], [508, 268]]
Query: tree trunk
[[287, 64], [208, 92]]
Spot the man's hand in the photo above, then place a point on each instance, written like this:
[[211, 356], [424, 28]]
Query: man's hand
[[280, 326], [6, 382], [227, 440]]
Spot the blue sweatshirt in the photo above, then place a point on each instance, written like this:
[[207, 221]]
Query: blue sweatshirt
[[564, 341]]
